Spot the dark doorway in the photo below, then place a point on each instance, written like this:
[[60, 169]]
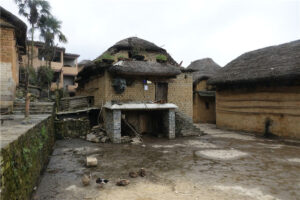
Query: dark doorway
[[161, 92]]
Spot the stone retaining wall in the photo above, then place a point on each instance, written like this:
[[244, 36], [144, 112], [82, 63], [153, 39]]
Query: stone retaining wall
[[23, 159], [71, 128]]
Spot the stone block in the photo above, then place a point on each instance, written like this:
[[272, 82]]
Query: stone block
[[91, 161]]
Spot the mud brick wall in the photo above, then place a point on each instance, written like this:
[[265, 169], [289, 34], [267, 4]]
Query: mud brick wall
[[23, 160], [181, 93], [134, 92], [249, 109], [71, 128], [9, 67]]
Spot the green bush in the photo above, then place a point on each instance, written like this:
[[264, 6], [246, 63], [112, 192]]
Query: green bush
[[33, 78], [107, 56], [161, 57], [45, 76]]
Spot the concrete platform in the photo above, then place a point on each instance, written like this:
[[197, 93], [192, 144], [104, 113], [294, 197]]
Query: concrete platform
[[13, 129]]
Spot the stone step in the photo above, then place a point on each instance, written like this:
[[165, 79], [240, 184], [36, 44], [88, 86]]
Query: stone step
[[35, 107]]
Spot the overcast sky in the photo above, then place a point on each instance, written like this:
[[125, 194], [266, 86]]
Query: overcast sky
[[187, 29]]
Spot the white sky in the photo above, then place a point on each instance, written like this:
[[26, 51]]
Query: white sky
[[187, 29]]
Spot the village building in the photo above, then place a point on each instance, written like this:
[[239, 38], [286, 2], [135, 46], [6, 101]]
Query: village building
[[82, 63], [64, 66], [140, 84], [13, 46], [260, 91], [204, 106]]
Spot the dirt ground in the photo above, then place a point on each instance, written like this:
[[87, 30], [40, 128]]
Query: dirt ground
[[219, 165]]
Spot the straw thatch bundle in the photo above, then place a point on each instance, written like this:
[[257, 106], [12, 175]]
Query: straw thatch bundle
[[142, 68], [19, 26], [202, 69], [132, 43], [275, 64]]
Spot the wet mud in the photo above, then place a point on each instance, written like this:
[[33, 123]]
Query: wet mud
[[219, 165]]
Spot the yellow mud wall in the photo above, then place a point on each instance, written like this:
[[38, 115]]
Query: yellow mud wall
[[9, 66], [200, 112], [94, 87], [180, 92], [248, 110]]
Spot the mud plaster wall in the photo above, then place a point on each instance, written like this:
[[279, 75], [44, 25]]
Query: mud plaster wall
[[202, 113], [23, 160], [180, 91], [9, 66], [248, 110]]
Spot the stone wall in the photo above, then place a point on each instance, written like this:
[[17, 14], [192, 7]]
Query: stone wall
[[23, 160], [71, 128], [9, 66], [248, 110]]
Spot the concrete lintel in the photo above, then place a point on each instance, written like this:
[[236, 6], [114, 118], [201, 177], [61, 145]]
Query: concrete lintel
[[140, 106]]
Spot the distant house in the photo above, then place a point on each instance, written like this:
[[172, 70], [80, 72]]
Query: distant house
[[260, 91], [204, 106], [142, 83], [13, 45], [64, 65]]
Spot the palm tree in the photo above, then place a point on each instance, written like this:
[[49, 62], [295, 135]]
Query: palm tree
[[32, 10], [50, 31]]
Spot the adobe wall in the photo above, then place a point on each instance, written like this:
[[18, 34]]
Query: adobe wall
[[94, 87], [202, 113], [181, 93], [134, 92], [248, 110], [9, 67]]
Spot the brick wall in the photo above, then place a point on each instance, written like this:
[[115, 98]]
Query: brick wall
[[9, 67], [181, 93], [134, 92]]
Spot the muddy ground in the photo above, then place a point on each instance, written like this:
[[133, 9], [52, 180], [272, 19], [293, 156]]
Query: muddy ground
[[219, 165]]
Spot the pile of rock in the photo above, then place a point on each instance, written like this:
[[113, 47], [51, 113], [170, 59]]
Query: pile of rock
[[97, 135]]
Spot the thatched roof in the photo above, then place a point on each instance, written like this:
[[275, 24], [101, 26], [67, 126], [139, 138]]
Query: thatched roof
[[142, 68], [274, 64], [12, 21], [138, 43], [203, 69], [84, 62]]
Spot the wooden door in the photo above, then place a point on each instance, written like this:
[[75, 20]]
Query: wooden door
[[161, 92]]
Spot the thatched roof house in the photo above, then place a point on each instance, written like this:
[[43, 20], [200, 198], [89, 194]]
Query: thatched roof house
[[8, 20], [259, 91], [141, 81], [130, 66], [203, 69], [274, 64]]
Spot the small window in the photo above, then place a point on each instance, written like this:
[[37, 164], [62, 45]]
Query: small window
[[206, 105]]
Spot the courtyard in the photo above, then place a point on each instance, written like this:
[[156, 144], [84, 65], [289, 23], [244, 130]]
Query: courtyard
[[217, 165]]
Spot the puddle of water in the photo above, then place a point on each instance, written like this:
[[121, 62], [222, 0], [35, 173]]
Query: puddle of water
[[296, 160], [168, 146], [235, 136], [221, 154], [251, 192], [200, 144]]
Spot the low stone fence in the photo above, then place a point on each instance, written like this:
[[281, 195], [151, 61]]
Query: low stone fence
[[23, 159], [72, 128]]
